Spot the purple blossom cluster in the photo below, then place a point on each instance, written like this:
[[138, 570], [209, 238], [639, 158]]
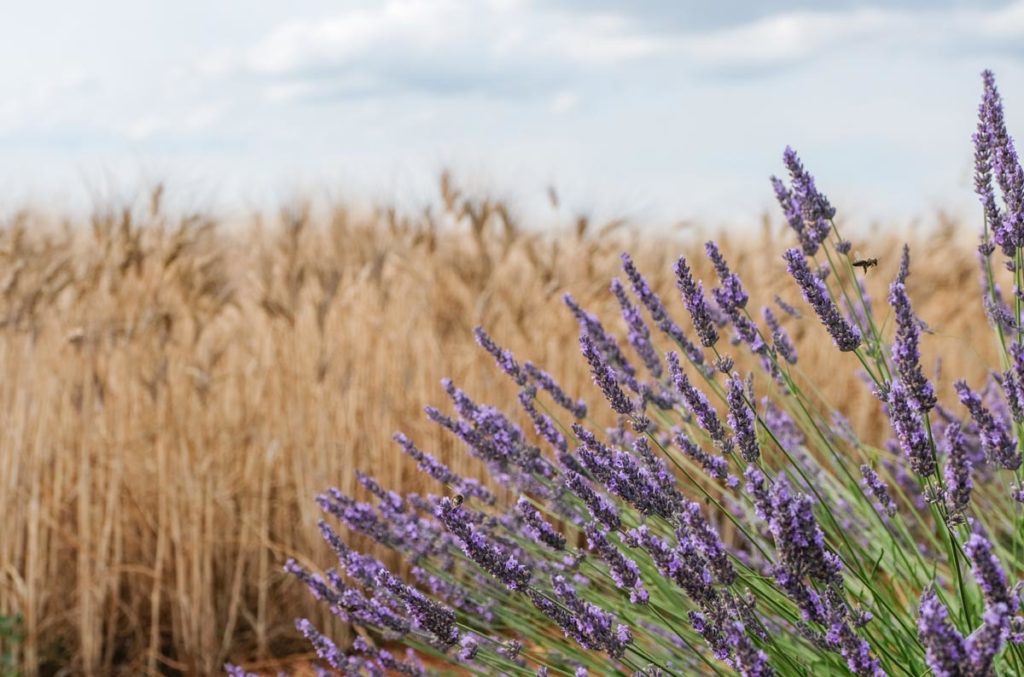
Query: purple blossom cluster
[[591, 550], [846, 336]]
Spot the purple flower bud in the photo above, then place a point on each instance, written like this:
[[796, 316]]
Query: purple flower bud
[[845, 336], [741, 420], [490, 556], [604, 377], [693, 295], [904, 271], [537, 527], [996, 156], [604, 342], [989, 572], [715, 466], [878, 490], [780, 339], [603, 510], [327, 650], [957, 472], [656, 308], [733, 296], [806, 204], [639, 336], [905, 354], [698, 404], [995, 439], [427, 614], [906, 423], [521, 374], [622, 569], [944, 646]]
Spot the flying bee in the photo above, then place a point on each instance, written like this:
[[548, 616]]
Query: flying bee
[[865, 264], [457, 499]]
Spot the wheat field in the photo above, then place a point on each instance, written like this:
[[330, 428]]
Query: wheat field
[[174, 393]]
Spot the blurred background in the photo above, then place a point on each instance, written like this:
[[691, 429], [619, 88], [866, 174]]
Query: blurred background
[[658, 110], [232, 263]]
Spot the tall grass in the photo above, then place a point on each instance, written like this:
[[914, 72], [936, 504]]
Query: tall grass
[[173, 393]]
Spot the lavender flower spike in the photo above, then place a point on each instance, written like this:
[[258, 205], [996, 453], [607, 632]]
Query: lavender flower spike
[[639, 334], [945, 650], [874, 485], [656, 308], [538, 527], [994, 150], [780, 339], [741, 420], [604, 377], [732, 292], [906, 423], [1000, 605], [815, 210], [696, 304], [990, 124], [905, 353], [698, 404], [995, 439], [845, 336], [957, 472]]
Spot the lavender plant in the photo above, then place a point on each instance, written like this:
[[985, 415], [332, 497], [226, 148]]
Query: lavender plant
[[638, 550]]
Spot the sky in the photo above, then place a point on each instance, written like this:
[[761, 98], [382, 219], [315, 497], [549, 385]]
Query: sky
[[658, 111]]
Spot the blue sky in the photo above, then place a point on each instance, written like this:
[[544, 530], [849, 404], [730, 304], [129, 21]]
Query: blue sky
[[654, 110]]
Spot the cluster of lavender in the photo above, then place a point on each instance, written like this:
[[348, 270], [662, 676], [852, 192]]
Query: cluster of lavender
[[634, 549]]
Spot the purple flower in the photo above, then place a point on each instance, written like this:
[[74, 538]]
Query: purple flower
[[603, 510], [945, 649], [625, 477], [750, 661], [426, 613], [715, 466], [995, 439], [798, 538], [588, 624], [996, 156], [693, 295], [807, 210], [537, 527], [639, 335], [845, 336], [780, 339], [698, 404], [741, 420], [695, 527], [604, 342], [682, 564], [604, 377], [786, 308], [957, 472], [906, 423], [904, 271], [988, 572], [874, 485], [542, 423], [528, 371], [656, 308], [489, 555], [732, 295], [327, 650], [905, 353], [990, 127], [624, 571]]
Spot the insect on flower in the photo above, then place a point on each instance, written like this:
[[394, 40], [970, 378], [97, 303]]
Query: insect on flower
[[865, 264], [457, 499]]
